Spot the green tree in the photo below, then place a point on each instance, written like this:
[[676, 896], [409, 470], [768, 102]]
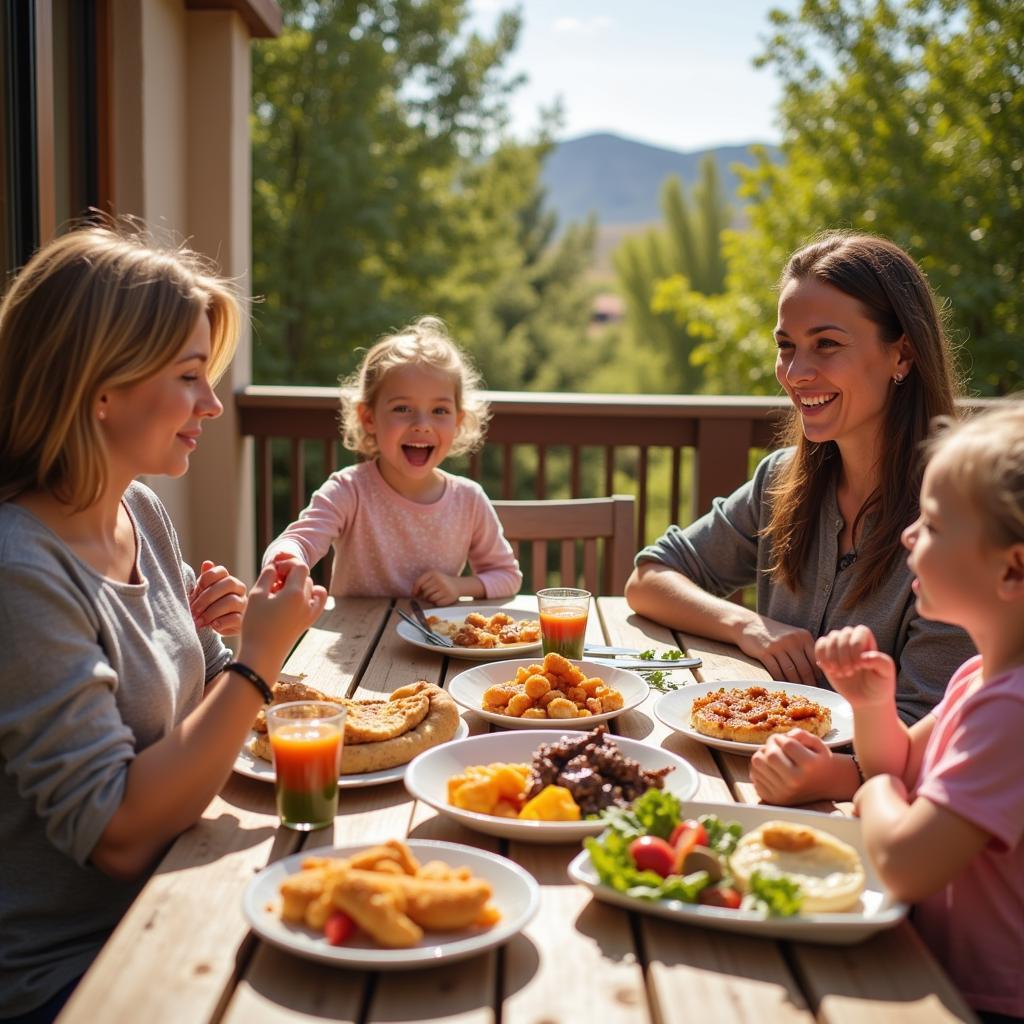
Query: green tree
[[905, 119], [684, 254], [385, 188]]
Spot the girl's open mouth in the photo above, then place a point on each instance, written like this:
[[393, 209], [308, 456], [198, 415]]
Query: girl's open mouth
[[417, 454]]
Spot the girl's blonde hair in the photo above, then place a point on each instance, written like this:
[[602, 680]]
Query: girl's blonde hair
[[100, 307], [425, 342], [987, 464]]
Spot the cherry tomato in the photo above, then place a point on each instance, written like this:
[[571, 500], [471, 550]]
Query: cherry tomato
[[684, 828], [685, 836], [338, 927], [720, 896], [650, 853]]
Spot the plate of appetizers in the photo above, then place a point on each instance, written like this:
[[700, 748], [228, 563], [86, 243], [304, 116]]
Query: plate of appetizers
[[551, 693], [390, 906], [543, 787], [739, 715], [765, 871], [479, 632]]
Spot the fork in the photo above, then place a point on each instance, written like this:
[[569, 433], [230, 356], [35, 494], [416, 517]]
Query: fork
[[434, 638]]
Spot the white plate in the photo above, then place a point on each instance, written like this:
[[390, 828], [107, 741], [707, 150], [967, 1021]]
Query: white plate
[[515, 893], [457, 613], [467, 690], [253, 767], [673, 709], [878, 909], [428, 774]]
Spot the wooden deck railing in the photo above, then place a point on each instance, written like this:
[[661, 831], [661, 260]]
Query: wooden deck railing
[[721, 431]]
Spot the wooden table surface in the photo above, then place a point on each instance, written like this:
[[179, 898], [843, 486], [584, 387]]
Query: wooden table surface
[[183, 952]]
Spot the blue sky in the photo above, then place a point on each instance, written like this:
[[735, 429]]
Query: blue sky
[[675, 73]]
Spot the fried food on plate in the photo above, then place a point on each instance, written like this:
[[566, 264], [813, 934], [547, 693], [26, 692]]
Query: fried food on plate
[[388, 894], [753, 714], [379, 734], [554, 689], [476, 630]]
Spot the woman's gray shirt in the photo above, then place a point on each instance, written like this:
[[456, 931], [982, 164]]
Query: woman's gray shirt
[[724, 551], [92, 672]]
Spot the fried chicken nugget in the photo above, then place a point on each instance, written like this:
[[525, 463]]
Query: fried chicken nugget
[[444, 904], [393, 851], [298, 891], [377, 904]]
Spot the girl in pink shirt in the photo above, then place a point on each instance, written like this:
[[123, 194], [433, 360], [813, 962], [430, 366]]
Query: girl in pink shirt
[[943, 804], [399, 524]]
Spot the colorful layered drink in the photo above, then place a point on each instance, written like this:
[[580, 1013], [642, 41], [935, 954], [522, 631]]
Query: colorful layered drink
[[306, 738], [563, 620]]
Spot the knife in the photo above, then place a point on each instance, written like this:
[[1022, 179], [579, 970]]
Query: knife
[[635, 663], [417, 610], [430, 635], [599, 649]]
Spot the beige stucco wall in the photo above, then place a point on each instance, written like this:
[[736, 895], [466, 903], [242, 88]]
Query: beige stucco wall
[[180, 106]]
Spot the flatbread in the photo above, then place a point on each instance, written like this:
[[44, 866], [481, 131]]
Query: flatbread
[[367, 721], [753, 714], [413, 719]]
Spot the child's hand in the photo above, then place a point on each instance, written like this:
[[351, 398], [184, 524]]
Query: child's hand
[[436, 588], [277, 614], [283, 562], [855, 667], [218, 600], [795, 768]]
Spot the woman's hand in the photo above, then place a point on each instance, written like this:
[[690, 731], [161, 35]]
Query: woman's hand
[[277, 615], [218, 600], [850, 659], [786, 651], [437, 589], [796, 767]]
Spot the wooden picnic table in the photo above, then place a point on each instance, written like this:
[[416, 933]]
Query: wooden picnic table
[[183, 952]]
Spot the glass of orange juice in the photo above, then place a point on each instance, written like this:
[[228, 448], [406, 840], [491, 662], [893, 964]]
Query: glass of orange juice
[[563, 620], [306, 738]]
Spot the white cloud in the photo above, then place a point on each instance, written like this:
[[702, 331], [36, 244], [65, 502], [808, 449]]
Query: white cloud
[[589, 27]]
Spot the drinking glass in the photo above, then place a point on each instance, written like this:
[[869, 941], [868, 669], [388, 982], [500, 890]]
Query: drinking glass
[[306, 738], [563, 620]]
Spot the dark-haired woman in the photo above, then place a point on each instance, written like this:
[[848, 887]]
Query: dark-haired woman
[[863, 358]]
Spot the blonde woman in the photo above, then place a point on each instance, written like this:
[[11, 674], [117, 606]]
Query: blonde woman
[[399, 524], [863, 358], [120, 715]]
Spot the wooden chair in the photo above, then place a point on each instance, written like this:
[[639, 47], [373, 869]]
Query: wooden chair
[[532, 524]]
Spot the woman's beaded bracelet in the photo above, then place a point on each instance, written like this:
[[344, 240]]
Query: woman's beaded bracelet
[[254, 677]]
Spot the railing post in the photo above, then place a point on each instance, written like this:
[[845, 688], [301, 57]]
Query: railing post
[[723, 451]]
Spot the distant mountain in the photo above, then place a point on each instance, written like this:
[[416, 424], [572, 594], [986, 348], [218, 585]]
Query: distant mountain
[[620, 180]]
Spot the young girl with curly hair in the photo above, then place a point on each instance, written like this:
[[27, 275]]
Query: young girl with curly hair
[[400, 525]]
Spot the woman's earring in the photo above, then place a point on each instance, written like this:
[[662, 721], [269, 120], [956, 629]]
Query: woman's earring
[[101, 414], [898, 379]]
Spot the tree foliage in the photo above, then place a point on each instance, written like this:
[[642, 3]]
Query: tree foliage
[[384, 188], [901, 118], [683, 255]]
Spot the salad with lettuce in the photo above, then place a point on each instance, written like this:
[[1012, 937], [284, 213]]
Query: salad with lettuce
[[649, 852]]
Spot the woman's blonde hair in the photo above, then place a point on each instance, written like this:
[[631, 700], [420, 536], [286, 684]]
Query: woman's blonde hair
[[100, 307], [986, 463], [425, 342], [893, 292]]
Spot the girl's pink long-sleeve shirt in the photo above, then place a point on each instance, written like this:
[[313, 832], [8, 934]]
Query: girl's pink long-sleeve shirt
[[384, 542]]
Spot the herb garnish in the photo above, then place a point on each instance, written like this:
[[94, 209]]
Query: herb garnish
[[656, 678]]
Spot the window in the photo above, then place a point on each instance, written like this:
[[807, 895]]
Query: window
[[52, 120]]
